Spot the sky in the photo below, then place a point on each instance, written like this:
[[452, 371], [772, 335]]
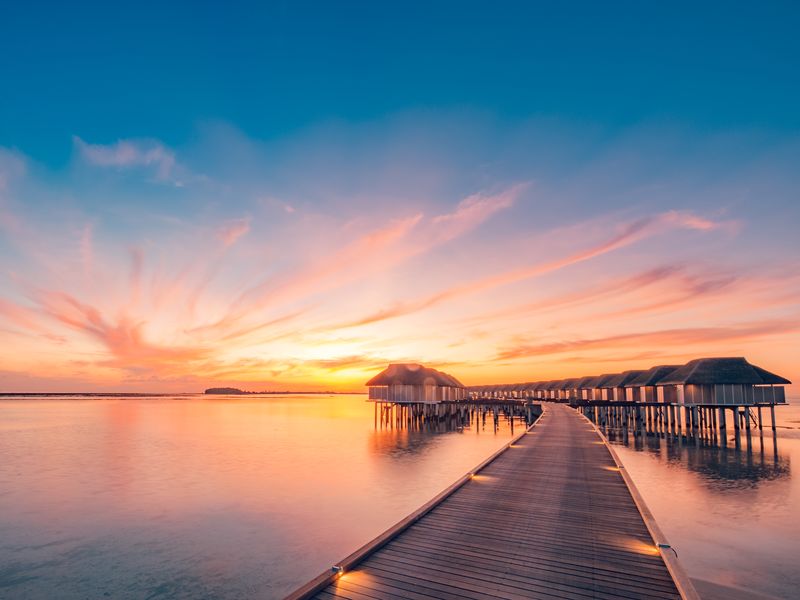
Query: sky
[[292, 195]]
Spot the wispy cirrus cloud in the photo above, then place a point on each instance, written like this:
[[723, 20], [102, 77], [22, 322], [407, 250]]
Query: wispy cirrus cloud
[[416, 234], [628, 233], [130, 332], [128, 154], [122, 337], [374, 251], [694, 336]]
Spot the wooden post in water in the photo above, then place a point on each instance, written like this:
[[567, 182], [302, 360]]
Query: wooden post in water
[[703, 422], [700, 422], [643, 421], [722, 425], [713, 414]]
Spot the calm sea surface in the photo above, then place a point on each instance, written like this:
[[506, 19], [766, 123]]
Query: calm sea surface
[[200, 497], [204, 497], [733, 516]]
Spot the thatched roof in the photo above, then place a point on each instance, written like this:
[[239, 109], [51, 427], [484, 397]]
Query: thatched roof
[[583, 382], [710, 371], [652, 376], [413, 374], [553, 385], [622, 379], [567, 384], [599, 382]]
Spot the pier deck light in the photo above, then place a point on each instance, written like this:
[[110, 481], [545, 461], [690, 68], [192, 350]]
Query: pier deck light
[[667, 547], [338, 570]]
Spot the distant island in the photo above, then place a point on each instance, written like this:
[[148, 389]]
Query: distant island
[[230, 391]]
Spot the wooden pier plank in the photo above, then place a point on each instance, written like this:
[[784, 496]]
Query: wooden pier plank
[[551, 517]]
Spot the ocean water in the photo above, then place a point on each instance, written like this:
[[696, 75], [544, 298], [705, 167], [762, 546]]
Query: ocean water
[[732, 515], [205, 497], [231, 497]]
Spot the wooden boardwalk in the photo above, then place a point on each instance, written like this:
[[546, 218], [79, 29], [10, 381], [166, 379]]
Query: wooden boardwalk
[[551, 517]]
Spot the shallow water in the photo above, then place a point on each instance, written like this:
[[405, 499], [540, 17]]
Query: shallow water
[[732, 515], [249, 497], [204, 496]]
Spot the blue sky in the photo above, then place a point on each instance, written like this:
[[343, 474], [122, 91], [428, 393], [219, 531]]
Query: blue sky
[[143, 69], [293, 195]]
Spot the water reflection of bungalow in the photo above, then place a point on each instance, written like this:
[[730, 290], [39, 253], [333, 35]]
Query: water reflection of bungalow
[[723, 381], [412, 383]]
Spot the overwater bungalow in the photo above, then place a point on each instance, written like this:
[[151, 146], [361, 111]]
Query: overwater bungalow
[[567, 389], [476, 391], [538, 389], [582, 392], [412, 383], [722, 381], [511, 390], [643, 387], [551, 389], [615, 387], [596, 387]]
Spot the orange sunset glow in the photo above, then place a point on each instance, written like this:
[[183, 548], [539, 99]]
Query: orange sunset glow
[[324, 300], [366, 300], [501, 231]]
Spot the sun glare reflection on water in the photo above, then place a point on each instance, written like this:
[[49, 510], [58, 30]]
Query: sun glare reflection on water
[[206, 497]]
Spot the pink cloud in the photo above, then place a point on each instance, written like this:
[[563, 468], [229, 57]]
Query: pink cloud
[[375, 251], [471, 211], [232, 230], [628, 233], [658, 338], [123, 338]]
